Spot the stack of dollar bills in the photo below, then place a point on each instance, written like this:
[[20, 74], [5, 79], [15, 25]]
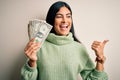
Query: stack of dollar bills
[[38, 29]]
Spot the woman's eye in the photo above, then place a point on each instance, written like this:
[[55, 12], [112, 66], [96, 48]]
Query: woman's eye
[[68, 16], [58, 16], [61, 16]]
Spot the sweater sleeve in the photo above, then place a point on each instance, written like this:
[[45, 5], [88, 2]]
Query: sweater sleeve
[[28, 73], [88, 71]]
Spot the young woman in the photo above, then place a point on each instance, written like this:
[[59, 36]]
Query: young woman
[[62, 56]]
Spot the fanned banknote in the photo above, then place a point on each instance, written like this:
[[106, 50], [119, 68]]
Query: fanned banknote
[[39, 30]]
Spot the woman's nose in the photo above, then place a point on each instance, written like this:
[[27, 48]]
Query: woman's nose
[[64, 19]]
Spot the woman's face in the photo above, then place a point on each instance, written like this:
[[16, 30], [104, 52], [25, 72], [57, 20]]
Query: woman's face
[[63, 21]]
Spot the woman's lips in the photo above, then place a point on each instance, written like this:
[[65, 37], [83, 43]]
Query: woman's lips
[[64, 27]]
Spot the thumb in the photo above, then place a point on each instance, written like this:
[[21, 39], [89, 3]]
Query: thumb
[[105, 41]]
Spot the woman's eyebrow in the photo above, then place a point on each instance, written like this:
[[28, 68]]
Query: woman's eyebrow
[[58, 14], [62, 14], [69, 14]]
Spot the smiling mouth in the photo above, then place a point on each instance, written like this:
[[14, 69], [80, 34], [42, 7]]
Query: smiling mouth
[[64, 27]]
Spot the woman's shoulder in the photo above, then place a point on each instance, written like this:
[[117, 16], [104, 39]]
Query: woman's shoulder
[[81, 48], [79, 45]]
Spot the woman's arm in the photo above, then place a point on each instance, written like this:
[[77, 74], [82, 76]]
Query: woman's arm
[[98, 47], [29, 70], [90, 71], [31, 52], [29, 73]]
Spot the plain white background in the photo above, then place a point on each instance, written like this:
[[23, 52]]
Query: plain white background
[[93, 20]]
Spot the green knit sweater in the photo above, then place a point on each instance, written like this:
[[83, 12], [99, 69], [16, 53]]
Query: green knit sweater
[[62, 58]]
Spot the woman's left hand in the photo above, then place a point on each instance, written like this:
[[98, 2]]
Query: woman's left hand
[[98, 47]]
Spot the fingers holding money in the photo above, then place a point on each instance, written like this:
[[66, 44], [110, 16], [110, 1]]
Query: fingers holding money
[[29, 43], [31, 49]]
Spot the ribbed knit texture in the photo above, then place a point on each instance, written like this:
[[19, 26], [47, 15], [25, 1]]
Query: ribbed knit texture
[[62, 58]]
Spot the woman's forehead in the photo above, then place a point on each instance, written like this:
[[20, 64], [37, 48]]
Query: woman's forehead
[[64, 10]]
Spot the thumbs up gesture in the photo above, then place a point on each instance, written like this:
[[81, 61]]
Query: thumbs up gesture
[[98, 47]]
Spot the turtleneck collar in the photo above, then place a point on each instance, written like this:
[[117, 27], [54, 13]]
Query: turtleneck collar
[[60, 40]]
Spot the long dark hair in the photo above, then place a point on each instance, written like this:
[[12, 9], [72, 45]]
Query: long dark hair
[[52, 13]]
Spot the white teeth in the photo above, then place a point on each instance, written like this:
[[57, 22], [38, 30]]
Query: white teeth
[[64, 26]]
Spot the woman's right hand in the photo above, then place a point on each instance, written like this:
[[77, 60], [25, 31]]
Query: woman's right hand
[[31, 51]]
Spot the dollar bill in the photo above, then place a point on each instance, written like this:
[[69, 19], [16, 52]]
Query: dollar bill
[[39, 30]]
